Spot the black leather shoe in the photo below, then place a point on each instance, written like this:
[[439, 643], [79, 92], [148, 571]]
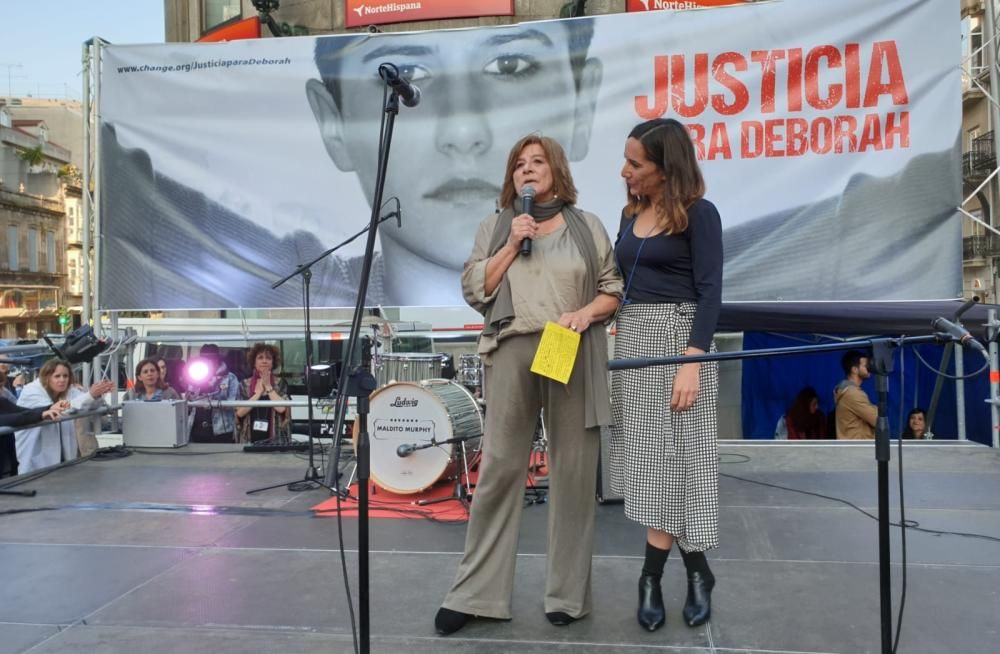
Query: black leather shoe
[[560, 619], [448, 621], [651, 613], [698, 606]]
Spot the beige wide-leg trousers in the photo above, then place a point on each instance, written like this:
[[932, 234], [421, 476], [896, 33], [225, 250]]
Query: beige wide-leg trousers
[[484, 583]]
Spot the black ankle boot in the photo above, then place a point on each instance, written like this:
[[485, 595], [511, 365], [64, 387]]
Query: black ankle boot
[[651, 613], [701, 581], [698, 605]]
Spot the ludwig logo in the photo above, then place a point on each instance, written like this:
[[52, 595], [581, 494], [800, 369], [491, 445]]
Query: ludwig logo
[[403, 402]]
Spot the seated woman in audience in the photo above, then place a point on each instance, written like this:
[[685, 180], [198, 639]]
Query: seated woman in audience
[[916, 425], [263, 423], [48, 445], [804, 419], [149, 385]]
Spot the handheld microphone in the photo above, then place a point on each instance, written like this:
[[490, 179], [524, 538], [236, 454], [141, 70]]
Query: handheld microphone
[[527, 202], [408, 92], [958, 333], [405, 450]]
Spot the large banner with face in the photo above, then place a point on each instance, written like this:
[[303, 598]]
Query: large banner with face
[[828, 134]]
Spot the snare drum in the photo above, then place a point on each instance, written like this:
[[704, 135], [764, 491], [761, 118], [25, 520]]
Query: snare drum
[[470, 370], [414, 415], [407, 367]]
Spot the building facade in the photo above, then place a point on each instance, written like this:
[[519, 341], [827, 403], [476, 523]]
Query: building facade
[[33, 239]]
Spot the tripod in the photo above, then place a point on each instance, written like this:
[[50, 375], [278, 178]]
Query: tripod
[[462, 493], [314, 476]]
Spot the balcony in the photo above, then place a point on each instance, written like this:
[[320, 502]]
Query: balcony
[[980, 247], [980, 160]]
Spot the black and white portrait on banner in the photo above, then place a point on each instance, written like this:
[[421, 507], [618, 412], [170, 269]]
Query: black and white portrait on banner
[[830, 146]]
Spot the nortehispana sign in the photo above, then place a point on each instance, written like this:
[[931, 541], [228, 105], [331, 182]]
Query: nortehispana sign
[[376, 12]]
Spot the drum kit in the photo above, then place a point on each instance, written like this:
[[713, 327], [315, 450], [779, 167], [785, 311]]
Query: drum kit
[[425, 429]]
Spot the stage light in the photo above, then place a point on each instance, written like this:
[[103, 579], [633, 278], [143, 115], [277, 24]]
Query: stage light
[[198, 371], [80, 345], [323, 378]]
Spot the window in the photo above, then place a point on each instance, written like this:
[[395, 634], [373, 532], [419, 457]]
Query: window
[[12, 261], [50, 251], [217, 12], [33, 250]]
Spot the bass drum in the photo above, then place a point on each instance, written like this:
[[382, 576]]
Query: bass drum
[[417, 415]]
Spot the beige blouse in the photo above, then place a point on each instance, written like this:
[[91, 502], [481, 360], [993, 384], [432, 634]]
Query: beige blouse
[[545, 284]]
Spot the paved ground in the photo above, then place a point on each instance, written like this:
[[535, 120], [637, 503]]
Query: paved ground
[[797, 573]]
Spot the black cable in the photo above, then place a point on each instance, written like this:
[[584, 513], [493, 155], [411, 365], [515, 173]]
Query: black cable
[[946, 375], [902, 505], [910, 524]]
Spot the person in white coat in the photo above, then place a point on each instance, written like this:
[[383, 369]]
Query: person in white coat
[[50, 444]]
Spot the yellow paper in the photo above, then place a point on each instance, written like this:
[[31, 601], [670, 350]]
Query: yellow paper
[[556, 353]]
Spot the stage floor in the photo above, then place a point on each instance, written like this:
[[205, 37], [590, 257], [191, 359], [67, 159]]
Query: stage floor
[[796, 573]]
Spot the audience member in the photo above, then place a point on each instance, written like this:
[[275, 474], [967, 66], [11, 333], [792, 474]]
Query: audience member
[[804, 419], [263, 423], [48, 445], [916, 425], [856, 414], [217, 425], [149, 385]]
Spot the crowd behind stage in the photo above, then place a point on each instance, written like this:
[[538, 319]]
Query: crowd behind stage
[[157, 379]]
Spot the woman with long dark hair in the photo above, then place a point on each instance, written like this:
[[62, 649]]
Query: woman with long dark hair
[[804, 419], [664, 452]]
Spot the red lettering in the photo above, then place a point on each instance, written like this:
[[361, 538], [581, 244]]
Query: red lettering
[[772, 136], [677, 77], [871, 133], [718, 145], [767, 60], [885, 54], [845, 129], [751, 143], [697, 133], [798, 141], [852, 73], [821, 136], [834, 91], [795, 79], [741, 97], [902, 130], [660, 90]]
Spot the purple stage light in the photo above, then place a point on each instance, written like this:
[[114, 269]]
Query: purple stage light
[[197, 371]]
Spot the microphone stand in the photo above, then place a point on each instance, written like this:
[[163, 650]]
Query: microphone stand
[[313, 475], [882, 357], [359, 382]]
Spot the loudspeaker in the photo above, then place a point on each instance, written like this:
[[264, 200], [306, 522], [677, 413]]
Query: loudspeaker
[[604, 493], [154, 424]]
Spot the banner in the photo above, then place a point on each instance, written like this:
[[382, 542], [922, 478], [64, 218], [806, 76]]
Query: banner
[[359, 13], [828, 134]]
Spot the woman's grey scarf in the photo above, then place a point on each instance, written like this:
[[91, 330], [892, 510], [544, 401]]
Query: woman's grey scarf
[[594, 343]]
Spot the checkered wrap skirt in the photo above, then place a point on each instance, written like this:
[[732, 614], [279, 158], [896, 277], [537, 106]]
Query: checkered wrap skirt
[[665, 464]]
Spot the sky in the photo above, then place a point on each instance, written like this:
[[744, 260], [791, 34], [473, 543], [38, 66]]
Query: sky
[[41, 46]]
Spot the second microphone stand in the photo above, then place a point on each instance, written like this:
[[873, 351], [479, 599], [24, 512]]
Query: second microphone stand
[[313, 473]]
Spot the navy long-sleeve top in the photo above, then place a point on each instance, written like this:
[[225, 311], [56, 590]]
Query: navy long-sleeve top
[[673, 268]]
